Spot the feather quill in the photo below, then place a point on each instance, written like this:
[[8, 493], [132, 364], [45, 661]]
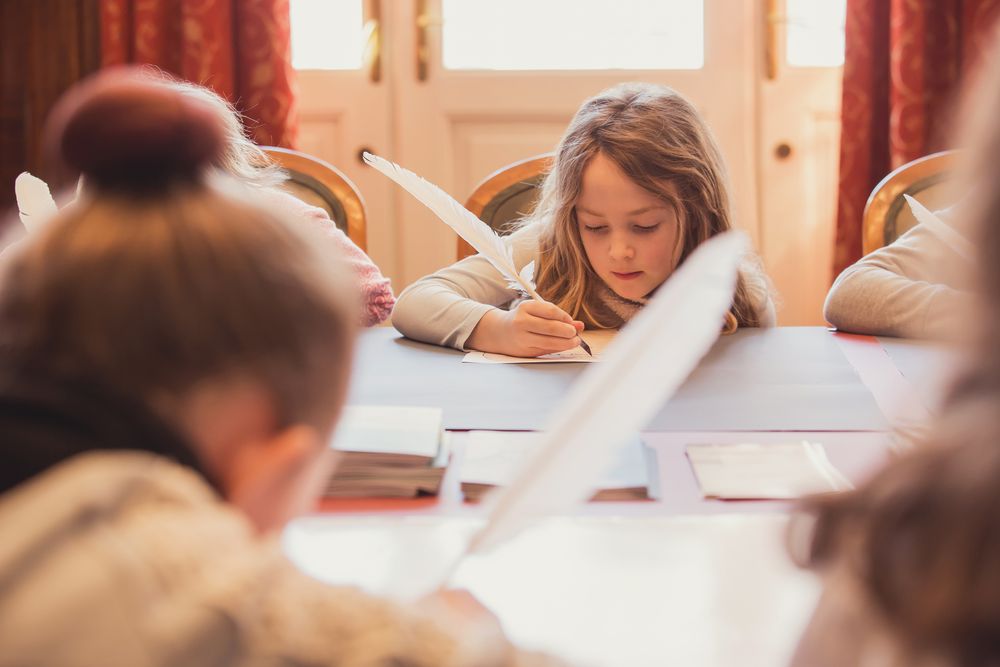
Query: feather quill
[[476, 232], [949, 236], [639, 371], [34, 201], [611, 401]]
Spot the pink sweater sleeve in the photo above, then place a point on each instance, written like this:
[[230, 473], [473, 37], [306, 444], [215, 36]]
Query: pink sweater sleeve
[[376, 292]]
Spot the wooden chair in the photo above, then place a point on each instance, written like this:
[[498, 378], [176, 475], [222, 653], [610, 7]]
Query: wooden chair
[[319, 183], [506, 195], [887, 215]]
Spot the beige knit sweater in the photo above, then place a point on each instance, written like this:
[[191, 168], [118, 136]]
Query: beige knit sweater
[[128, 559], [916, 287]]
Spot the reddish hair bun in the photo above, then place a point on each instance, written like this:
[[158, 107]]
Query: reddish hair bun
[[122, 129]]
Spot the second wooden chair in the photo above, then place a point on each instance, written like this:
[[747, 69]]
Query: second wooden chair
[[507, 195], [319, 183], [887, 215]]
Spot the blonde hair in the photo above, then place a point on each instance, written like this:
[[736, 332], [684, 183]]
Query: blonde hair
[[240, 157], [657, 138]]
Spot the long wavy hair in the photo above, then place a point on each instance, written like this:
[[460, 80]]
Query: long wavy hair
[[658, 139], [240, 156]]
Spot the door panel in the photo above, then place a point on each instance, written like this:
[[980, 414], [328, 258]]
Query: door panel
[[454, 126]]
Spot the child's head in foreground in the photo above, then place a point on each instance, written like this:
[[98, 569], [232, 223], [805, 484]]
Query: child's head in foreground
[[167, 285]]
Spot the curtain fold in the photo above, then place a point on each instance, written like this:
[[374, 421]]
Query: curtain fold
[[239, 48], [903, 62]]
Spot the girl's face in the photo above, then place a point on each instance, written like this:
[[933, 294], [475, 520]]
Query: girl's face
[[630, 236]]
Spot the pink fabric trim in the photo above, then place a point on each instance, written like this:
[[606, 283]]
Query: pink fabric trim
[[377, 298]]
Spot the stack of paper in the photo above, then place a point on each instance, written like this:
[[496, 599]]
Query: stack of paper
[[493, 458], [388, 451], [748, 471]]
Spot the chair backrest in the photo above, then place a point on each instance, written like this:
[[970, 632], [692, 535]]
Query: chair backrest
[[319, 183], [887, 216], [506, 195]]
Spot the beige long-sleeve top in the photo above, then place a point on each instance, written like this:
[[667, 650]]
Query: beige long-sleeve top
[[915, 287], [444, 307], [125, 558]]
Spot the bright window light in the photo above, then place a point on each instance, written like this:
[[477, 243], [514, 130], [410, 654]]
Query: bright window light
[[326, 34], [815, 32], [572, 34]]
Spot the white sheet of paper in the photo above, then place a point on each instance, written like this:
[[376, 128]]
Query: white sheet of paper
[[764, 472], [389, 429], [598, 339], [496, 457]]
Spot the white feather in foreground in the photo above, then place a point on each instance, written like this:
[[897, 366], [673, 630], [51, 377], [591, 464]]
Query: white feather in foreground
[[34, 201], [945, 233], [476, 232], [612, 400]]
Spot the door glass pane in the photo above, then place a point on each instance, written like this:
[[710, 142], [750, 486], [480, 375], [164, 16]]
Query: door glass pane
[[572, 34], [815, 32], [326, 34]]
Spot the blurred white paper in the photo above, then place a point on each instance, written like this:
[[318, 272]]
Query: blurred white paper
[[494, 458], [754, 471], [403, 431], [598, 339]]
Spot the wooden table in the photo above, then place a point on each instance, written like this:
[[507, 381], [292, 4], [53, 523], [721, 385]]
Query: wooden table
[[678, 581]]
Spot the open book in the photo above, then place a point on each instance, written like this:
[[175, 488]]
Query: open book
[[392, 451], [493, 458]]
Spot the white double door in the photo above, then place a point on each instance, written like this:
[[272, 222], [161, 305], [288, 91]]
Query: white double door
[[455, 126]]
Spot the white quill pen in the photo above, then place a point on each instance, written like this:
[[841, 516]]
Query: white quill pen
[[948, 235], [476, 232], [34, 201], [612, 400]]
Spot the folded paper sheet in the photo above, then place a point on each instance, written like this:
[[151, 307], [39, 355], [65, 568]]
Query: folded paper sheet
[[752, 471]]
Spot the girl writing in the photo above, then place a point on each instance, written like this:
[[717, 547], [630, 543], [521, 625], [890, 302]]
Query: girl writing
[[638, 182]]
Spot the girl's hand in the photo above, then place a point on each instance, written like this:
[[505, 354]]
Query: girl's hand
[[531, 329]]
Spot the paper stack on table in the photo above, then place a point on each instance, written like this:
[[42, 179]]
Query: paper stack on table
[[755, 471], [388, 451]]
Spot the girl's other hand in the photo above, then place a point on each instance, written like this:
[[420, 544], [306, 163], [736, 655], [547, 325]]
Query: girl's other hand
[[531, 329]]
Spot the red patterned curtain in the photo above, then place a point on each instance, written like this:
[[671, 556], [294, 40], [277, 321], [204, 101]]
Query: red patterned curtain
[[902, 62], [239, 48]]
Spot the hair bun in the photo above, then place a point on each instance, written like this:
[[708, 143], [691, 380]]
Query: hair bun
[[123, 129]]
